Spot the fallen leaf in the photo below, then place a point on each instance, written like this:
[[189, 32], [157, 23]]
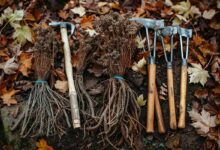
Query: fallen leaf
[[7, 97], [91, 32], [201, 93], [140, 100], [140, 42], [13, 17], [101, 4], [3, 2], [81, 11], [138, 66], [63, 14], [42, 145], [22, 34], [29, 17], [197, 74], [216, 90], [163, 92], [209, 14], [10, 66], [185, 10], [87, 22], [197, 40], [3, 40], [62, 86], [173, 142], [25, 62], [202, 122]]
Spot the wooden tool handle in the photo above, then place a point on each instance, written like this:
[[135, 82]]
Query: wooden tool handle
[[69, 74], [151, 95], [160, 122], [183, 87], [171, 98]]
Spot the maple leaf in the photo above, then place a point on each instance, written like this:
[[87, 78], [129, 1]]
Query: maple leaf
[[10, 66], [25, 63], [7, 97], [22, 34], [138, 67], [140, 100], [86, 22], [42, 145], [62, 86], [203, 122], [197, 74], [91, 32], [13, 18], [184, 11], [81, 11]]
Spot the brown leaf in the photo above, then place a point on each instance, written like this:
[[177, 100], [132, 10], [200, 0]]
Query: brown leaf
[[59, 73], [215, 25], [197, 40], [173, 142], [7, 97], [37, 14], [104, 10], [29, 17], [216, 90], [87, 22], [3, 2], [201, 93], [3, 40], [198, 56], [42, 145], [63, 14], [25, 63], [62, 86]]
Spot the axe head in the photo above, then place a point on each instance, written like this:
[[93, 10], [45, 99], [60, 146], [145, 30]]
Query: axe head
[[67, 25], [149, 23], [185, 32]]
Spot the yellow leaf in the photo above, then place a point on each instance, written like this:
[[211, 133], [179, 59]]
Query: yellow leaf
[[25, 63], [42, 145], [7, 97], [22, 34], [140, 100]]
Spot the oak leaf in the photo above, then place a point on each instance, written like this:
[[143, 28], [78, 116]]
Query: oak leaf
[[197, 74], [202, 122], [7, 97], [42, 145]]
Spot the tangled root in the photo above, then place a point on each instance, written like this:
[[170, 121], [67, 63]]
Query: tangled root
[[45, 113], [119, 115]]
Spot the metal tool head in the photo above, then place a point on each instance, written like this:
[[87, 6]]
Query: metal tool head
[[185, 32], [149, 23], [63, 25], [168, 31]]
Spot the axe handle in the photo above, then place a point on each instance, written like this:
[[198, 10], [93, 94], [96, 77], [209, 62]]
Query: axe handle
[[69, 73], [171, 98], [183, 87], [160, 122], [151, 95]]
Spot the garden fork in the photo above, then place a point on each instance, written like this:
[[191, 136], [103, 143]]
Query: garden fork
[[152, 93], [169, 31], [183, 82]]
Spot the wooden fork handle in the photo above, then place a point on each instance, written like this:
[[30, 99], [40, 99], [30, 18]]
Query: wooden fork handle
[[151, 95], [160, 122], [171, 100], [183, 87]]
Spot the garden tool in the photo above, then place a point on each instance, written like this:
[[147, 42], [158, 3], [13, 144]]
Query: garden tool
[[183, 82], [155, 25], [169, 31], [68, 68]]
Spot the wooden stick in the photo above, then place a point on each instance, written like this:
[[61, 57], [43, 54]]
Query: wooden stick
[[171, 98], [160, 122], [69, 73], [151, 95], [183, 87]]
